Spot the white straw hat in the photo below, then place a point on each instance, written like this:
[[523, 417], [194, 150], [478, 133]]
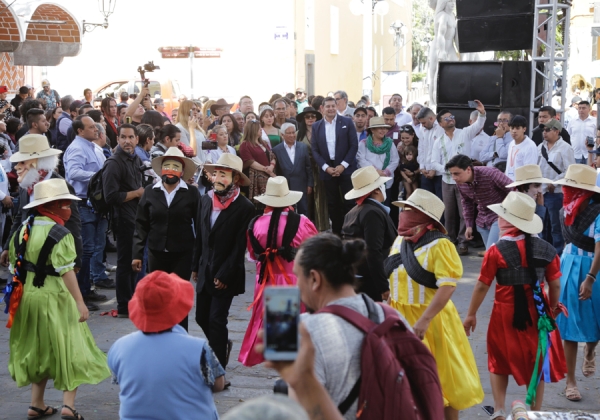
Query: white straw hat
[[50, 190], [278, 193], [189, 168], [425, 202], [33, 146], [518, 209], [230, 161], [378, 122], [580, 176], [529, 174], [365, 180]]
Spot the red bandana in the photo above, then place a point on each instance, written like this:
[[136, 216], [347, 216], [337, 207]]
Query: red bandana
[[573, 197], [222, 202], [43, 174], [55, 211], [413, 224], [361, 200]]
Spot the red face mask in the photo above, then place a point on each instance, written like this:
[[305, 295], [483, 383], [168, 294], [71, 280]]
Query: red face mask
[[59, 211]]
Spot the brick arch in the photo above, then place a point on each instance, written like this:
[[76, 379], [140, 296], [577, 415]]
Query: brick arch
[[67, 32], [9, 29]]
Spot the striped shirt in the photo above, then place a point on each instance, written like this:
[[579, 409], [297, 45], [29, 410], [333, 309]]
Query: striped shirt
[[488, 187]]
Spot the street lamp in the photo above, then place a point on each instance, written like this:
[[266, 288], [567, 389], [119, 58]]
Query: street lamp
[[107, 7], [380, 7], [399, 30]]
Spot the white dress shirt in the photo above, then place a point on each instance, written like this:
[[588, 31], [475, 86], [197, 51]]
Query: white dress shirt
[[524, 153], [291, 151], [561, 155], [580, 129], [426, 145], [330, 138], [445, 148], [169, 196], [479, 145], [403, 118]]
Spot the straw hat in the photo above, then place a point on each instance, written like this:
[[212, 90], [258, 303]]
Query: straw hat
[[50, 190], [33, 146], [230, 161], [161, 300], [519, 210], [378, 122], [278, 193], [365, 180], [529, 174], [580, 176], [425, 202], [189, 166]]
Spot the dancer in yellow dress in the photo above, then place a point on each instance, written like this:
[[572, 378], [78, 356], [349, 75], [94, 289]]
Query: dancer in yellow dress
[[423, 251]]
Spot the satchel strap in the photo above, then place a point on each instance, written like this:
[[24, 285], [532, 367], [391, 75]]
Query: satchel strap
[[552, 165]]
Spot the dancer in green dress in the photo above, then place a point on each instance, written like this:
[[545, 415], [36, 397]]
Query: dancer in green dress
[[49, 338]]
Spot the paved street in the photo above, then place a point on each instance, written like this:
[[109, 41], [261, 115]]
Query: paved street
[[101, 402]]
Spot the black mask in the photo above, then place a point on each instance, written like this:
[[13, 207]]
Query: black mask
[[170, 179]]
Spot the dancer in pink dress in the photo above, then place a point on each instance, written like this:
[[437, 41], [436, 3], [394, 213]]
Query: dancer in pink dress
[[272, 241]]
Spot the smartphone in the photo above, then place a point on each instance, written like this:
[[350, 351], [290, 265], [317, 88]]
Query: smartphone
[[282, 314], [590, 141], [472, 104], [128, 120], [213, 136], [208, 112], [191, 113]]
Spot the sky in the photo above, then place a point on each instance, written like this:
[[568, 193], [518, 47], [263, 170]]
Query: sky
[[251, 62]]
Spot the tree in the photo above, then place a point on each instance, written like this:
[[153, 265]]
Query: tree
[[422, 33]]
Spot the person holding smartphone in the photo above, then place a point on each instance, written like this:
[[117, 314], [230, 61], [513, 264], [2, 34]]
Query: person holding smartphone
[[580, 129]]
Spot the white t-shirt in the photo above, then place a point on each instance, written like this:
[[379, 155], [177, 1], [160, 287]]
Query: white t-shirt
[[525, 153]]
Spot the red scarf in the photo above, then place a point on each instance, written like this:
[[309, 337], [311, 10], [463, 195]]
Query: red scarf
[[55, 211], [361, 200], [222, 202], [506, 228], [572, 200], [43, 174], [111, 122], [413, 224]]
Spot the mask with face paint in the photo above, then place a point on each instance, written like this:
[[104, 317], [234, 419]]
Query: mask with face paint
[[223, 181], [172, 170]]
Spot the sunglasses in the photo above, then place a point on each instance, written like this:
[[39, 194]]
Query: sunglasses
[[299, 93], [310, 117], [408, 129], [450, 118]]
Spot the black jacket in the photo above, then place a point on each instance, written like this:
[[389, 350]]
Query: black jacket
[[371, 223], [121, 175], [538, 137], [219, 251], [165, 227], [73, 224]]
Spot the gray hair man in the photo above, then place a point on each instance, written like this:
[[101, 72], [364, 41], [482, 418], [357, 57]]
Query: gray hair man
[[341, 103]]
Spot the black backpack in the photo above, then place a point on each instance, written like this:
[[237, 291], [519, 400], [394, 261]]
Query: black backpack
[[95, 193]]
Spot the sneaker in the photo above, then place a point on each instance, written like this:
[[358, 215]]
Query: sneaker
[[110, 268], [124, 315], [91, 306], [463, 250], [105, 284], [94, 296]]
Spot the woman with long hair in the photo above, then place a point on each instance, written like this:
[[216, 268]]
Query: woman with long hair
[[267, 122], [233, 129], [52, 116], [317, 201], [189, 111], [222, 144], [258, 160]]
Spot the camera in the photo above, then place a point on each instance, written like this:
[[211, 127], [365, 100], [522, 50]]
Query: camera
[[147, 179], [148, 67]]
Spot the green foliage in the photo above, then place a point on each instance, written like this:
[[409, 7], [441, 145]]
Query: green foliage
[[418, 77], [422, 31]]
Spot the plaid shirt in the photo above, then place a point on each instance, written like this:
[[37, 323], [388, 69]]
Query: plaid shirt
[[488, 187]]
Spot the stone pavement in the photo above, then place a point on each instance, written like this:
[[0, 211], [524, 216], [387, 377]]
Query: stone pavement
[[101, 402]]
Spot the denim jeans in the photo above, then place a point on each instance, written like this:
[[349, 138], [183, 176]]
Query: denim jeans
[[490, 236], [581, 160], [89, 223], [554, 202], [97, 267]]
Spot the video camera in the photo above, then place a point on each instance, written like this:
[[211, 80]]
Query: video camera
[[148, 67]]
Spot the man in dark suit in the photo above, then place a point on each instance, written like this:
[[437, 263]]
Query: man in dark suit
[[218, 262], [334, 148], [293, 163]]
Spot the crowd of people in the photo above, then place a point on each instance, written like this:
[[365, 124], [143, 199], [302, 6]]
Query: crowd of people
[[323, 194]]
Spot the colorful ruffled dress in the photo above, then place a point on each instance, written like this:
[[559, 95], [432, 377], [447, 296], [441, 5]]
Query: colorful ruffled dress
[[46, 339], [445, 337]]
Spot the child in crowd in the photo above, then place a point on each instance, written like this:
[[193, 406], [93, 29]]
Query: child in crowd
[[409, 168]]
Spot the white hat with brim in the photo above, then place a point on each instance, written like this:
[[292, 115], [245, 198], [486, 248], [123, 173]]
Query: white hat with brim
[[50, 190], [518, 209], [189, 166], [278, 194], [230, 161], [427, 203], [529, 174], [365, 180], [580, 176], [378, 122], [33, 146]]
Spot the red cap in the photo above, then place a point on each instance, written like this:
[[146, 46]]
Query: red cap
[[3, 89]]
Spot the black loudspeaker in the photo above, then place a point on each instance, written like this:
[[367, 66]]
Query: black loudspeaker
[[497, 84], [502, 26], [462, 115]]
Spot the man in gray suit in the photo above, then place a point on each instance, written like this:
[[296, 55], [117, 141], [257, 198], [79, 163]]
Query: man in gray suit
[[341, 103], [293, 162]]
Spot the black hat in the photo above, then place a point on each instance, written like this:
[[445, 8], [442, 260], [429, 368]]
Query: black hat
[[596, 151], [518, 121], [308, 110]]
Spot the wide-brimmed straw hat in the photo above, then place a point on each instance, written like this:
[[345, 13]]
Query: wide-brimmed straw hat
[[230, 161], [580, 176], [378, 122], [365, 180], [529, 174], [189, 167], [221, 103], [425, 202], [50, 190], [33, 146], [518, 209], [278, 193], [308, 110], [161, 300]]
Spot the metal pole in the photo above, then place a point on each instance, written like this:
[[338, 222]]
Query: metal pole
[[191, 53]]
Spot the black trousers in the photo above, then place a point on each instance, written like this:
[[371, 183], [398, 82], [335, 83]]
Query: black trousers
[[179, 263], [211, 315], [336, 188], [125, 277]]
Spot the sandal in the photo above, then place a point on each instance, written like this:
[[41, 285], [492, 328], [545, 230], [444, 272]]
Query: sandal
[[589, 366], [572, 393], [42, 413], [75, 416], [497, 414]]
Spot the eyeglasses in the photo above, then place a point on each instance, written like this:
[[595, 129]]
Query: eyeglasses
[[503, 121], [450, 118], [299, 93], [337, 99]]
